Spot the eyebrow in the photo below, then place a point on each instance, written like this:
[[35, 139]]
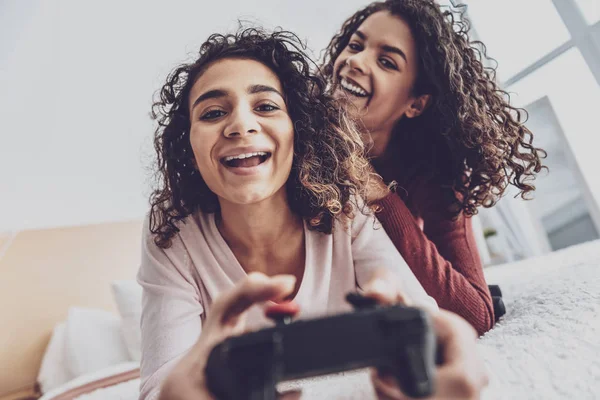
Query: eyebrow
[[217, 93], [211, 94], [385, 47], [263, 88]]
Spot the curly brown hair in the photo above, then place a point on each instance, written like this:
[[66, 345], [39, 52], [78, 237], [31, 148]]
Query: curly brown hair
[[329, 169], [470, 141]]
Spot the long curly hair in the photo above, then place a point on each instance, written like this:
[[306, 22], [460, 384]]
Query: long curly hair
[[470, 141], [329, 168]]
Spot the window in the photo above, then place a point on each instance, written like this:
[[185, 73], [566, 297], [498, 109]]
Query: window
[[549, 60], [572, 97], [517, 33], [590, 10]]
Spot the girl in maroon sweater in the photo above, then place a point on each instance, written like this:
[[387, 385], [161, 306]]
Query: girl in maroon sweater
[[441, 129]]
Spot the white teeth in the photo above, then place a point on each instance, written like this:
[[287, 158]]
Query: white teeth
[[353, 88], [245, 155]]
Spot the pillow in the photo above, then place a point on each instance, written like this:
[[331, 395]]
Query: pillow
[[54, 371], [128, 296], [93, 341]]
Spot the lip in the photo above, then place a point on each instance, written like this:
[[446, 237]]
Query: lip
[[243, 150]]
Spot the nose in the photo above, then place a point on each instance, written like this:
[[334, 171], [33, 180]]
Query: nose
[[358, 62], [243, 122]]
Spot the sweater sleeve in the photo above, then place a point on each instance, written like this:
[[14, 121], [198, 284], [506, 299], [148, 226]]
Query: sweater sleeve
[[443, 256], [171, 311], [373, 253]]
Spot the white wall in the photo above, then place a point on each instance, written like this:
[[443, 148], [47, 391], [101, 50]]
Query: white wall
[[77, 79]]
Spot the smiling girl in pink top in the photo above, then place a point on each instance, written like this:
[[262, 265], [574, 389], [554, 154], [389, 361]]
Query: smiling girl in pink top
[[258, 172]]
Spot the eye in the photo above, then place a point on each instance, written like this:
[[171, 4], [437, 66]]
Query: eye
[[266, 107], [212, 114], [354, 46], [387, 63]]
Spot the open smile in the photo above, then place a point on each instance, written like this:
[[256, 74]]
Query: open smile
[[246, 163], [353, 88]]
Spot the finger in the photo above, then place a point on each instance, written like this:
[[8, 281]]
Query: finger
[[385, 291], [290, 395], [386, 387], [456, 384], [254, 289], [454, 335], [462, 374], [450, 385]]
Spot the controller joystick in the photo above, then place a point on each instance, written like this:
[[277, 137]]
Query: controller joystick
[[360, 302]]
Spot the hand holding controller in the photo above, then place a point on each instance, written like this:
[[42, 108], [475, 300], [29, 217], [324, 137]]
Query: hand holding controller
[[395, 338], [462, 374]]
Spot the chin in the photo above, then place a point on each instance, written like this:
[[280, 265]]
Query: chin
[[249, 196]]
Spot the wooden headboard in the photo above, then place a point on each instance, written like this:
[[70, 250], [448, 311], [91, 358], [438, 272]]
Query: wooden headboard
[[42, 274]]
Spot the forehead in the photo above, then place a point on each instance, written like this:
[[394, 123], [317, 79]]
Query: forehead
[[234, 74], [383, 28]]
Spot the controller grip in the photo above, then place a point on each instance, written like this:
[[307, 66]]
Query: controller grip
[[244, 371], [415, 367], [218, 378]]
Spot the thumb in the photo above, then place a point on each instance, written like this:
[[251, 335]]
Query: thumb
[[256, 288]]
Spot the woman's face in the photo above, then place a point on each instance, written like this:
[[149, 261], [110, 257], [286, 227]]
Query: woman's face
[[241, 134], [377, 71]]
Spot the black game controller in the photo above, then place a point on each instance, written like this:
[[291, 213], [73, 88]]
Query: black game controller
[[395, 339]]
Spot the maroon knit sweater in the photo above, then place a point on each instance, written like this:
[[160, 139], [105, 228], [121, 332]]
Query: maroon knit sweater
[[441, 252]]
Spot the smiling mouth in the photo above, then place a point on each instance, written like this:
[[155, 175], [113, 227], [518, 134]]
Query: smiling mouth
[[247, 160], [352, 87]]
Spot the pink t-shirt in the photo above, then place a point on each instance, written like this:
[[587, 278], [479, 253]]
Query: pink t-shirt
[[181, 282]]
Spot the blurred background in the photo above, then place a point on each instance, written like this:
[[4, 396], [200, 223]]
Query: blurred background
[[77, 79], [548, 54]]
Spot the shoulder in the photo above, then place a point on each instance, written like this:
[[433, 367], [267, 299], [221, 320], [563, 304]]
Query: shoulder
[[177, 254], [428, 198], [188, 227], [185, 227], [362, 218]]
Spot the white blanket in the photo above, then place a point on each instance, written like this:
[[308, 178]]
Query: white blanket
[[547, 346]]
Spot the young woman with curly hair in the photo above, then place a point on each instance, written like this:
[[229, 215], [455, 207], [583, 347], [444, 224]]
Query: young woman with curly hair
[[440, 128], [259, 173]]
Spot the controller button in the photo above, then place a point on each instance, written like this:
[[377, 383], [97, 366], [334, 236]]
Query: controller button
[[282, 312]]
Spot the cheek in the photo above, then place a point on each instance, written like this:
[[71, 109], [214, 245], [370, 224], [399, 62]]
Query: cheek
[[201, 148], [290, 137], [392, 95], [339, 61], [286, 142], [402, 89]]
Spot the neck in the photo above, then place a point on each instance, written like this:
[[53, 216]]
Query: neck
[[258, 228], [378, 141]]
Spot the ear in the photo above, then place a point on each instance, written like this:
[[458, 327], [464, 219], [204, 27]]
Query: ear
[[418, 106], [194, 164]]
